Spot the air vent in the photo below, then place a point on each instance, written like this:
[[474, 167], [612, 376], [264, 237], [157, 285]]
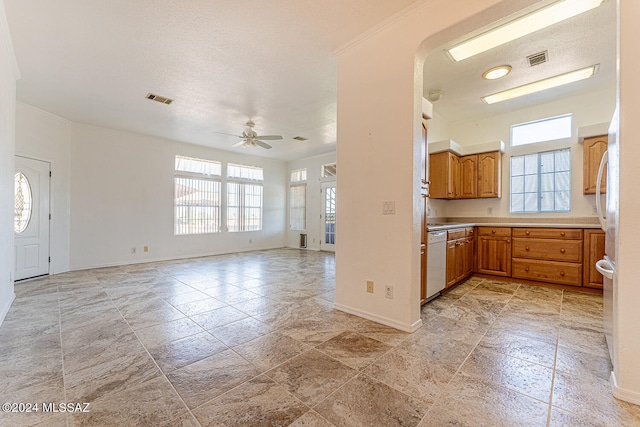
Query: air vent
[[537, 58], [300, 138], [159, 98]]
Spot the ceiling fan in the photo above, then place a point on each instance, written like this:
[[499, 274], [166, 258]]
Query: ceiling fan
[[251, 139]]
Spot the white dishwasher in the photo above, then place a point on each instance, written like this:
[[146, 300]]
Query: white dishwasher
[[436, 262]]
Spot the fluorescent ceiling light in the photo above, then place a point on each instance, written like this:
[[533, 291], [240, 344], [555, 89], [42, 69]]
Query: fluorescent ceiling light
[[541, 85], [528, 24]]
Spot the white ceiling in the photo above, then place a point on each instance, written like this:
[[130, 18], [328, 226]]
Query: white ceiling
[[225, 62], [584, 40]]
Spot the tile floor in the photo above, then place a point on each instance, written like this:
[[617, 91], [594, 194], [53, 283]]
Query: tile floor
[[252, 340]]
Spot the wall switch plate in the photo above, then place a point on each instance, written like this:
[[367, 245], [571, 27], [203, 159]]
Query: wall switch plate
[[133, 250], [388, 292], [370, 286], [389, 208]]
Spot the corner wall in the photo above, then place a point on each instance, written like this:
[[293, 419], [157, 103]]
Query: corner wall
[[9, 73]]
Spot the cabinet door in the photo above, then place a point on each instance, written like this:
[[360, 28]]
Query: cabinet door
[[594, 148], [460, 259], [451, 262], [439, 175], [489, 174], [594, 243], [468, 255], [469, 177], [453, 184], [494, 255]]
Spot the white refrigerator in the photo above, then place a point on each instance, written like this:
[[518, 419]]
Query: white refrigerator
[[608, 215]]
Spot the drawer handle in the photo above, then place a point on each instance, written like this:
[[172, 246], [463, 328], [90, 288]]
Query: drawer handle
[[562, 233], [527, 248], [562, 273], [562, 250], [526, 232], [526, 269], [493, 231]]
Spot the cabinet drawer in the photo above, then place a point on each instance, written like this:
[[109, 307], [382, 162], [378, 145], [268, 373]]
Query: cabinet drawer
[[549, 233], [548, 249], [455, 233], [494, 231], [564, 273]]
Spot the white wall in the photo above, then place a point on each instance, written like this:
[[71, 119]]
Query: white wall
[[122, 197], [314, 228], [8, 75], [593, 108], [46, 137], [113, 190]]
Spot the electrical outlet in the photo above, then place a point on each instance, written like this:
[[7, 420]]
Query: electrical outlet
[[133, 250], [146, 248], [594, 210], [388, 292], [370, 286], [250, 241], [490, 210]]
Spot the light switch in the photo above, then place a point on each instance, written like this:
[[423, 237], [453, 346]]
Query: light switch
[[389, 208]]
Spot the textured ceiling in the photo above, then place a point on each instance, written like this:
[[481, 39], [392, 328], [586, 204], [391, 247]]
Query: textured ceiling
[[225, 62], [584, 40]]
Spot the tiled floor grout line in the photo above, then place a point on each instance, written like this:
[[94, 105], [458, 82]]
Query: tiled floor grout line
[[64, 385]]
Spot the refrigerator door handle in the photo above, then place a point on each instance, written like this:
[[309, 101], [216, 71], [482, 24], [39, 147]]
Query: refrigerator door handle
[[601, 214], [605, 268]]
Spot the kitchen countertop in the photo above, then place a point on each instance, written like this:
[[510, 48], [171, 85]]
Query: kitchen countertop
[[438, 226]]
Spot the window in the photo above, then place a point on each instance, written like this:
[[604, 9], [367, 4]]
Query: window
[[330, 170], [23, 203], [299, 175], [244, 198], [298, 200], [548, 129], [196, 196], [541, 182]]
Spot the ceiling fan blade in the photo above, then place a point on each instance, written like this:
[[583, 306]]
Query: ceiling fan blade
[[229, 134], [238, 144], [269, 137], [261, 144]]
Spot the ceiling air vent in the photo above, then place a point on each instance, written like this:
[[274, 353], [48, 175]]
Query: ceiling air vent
[[537, 58], [300, 138], [159, 98]]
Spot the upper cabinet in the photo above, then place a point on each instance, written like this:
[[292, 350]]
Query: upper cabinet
[[594, 148], [489, 174], [467, 177]]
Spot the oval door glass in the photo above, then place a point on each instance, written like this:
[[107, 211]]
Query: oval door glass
[[23, 203]]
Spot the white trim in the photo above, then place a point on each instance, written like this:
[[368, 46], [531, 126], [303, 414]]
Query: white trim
[[5, 309], [5, 39], [622, 394], [379, 319]]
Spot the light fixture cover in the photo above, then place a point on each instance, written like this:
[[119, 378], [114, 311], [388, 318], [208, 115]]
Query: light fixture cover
[[520, 27], [541, 85], [496, 72]]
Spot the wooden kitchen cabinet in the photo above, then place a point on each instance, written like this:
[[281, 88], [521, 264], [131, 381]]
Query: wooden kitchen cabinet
[[593, 150], [451, 262], [494, 251], [460, 254], [552, 255], [489, 175], [594, 245], [469, 177], [444, 174]]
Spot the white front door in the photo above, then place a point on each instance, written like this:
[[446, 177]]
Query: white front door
[[31, 218], [328, 217]]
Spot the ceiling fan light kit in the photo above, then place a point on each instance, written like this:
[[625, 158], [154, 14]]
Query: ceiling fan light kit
[[520, 27], [540, 85], [250, 138]]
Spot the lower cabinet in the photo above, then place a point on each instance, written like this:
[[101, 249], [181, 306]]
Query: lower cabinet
[[460, 254], [594, 243], [494, 251]]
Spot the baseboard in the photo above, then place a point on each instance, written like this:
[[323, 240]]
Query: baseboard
[[622, 394], [379, 319], [4, 310]]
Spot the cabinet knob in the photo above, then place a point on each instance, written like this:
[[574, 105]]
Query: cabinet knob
[[493, 231], [527, 248], [562, 273], [562, 251], [562, 233], [526, 269], [527, 233]]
